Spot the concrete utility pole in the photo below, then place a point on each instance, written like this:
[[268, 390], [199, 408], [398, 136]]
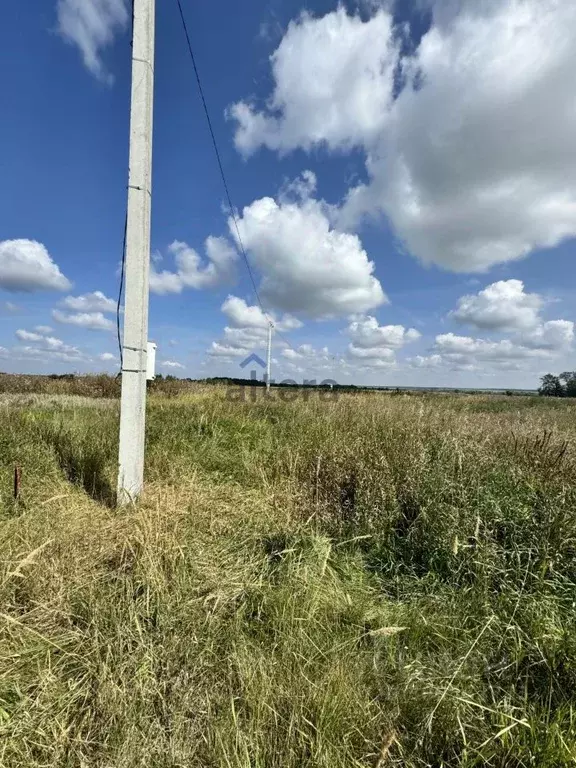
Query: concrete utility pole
[[134, 350], [269, 355]]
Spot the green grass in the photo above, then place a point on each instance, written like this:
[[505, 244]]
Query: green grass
[[379, 580]]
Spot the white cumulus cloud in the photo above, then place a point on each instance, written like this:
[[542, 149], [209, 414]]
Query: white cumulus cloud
[[544, 342], [472, 157], [44, 343], [365, 332], [308, 352], [306, 265], [505, 306], [376, 345], [26, 266], [456, 348], [89, 302], [92, 25], [218, 349], [554, 335], [245, 338], [373, 353], [333, 80], [23, 335], [66, 355], [426, 361], [93, 321], [248, 329], [501, 306], [241, 315], [218, 268]]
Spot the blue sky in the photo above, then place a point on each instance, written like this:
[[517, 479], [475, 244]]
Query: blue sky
[[404, 179]]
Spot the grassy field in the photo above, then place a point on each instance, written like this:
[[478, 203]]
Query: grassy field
[[377, 580]]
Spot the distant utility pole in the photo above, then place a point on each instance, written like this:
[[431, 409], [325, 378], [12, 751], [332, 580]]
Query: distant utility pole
[[134, 349], [269, 355]]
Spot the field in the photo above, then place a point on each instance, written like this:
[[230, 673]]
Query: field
[[375, 579]]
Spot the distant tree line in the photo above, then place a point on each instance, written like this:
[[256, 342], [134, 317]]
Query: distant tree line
[[563, 385]]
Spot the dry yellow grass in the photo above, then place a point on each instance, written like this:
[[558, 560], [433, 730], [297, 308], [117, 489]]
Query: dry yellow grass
[[377, 580]]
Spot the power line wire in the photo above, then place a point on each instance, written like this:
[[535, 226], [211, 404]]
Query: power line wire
[[123, 263], [217, 152], [119, 303], [284, 339], [222, 174]]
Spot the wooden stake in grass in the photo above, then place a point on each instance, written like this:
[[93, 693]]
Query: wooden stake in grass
[[17, 481]]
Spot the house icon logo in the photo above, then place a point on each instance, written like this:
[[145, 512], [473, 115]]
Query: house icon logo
[[253, 358]]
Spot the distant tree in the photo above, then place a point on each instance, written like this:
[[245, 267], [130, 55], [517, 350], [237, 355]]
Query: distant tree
[[551, 386], [569, 379]]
